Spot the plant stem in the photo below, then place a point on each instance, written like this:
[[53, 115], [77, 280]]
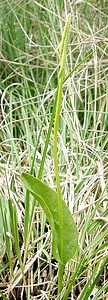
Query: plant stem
[[56, 123], [63, 49], [61, 268]]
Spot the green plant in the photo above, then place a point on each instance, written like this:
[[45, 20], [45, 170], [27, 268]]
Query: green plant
[[64, 232], [29, 65]]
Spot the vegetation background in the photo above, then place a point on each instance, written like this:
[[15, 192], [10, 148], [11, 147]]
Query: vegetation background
[[29, 63]]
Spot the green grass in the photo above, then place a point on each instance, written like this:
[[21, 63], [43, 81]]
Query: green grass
[[29, 64]]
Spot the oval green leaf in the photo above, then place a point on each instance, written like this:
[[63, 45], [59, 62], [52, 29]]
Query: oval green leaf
[[47, 198]]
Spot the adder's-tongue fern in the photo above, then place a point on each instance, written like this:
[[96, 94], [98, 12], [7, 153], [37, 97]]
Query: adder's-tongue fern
[[61, 74]]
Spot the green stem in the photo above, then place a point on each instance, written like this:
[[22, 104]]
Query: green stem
[[63, 49], [56, 123], [61, 268]]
